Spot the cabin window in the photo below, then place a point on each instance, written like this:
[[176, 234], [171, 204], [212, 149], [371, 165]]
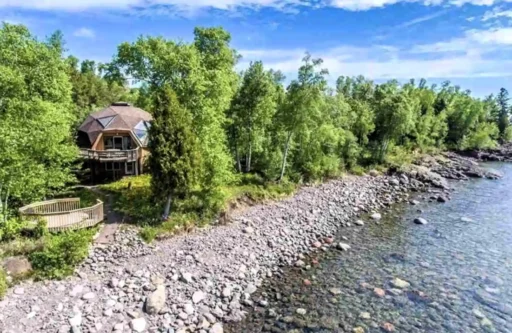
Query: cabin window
[[127, 143], [118, 142], [129, 168], [109, 142], [113, 166]]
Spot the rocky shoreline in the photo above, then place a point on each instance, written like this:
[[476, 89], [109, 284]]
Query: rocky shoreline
[[197, 282]]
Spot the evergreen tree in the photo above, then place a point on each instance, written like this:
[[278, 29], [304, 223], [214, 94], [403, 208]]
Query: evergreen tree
[[504, 111], [173, 145]]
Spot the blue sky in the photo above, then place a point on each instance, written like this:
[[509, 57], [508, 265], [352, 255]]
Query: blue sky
[[468, 42]]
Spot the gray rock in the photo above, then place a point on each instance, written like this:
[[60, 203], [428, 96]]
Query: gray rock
[[399, 283], [248, 230], [156, 300], [17, 266], [198, 296], [335, 291], [19, 291], [187, 277], [420, 220], [376, 216], [250, 289], [217, 328], [343, 246], [301, 311], [138, 325], [88, 296], [226, 292], [359, 223], [188, 308], [76, 320]]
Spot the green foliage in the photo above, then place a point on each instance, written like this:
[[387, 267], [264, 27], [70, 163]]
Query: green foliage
[[174, 150], [202, 76], [134, 198], [148, 233], [61, 254], [482, 137], [251, 113], [36, 145], [11, 229], [3, 283]]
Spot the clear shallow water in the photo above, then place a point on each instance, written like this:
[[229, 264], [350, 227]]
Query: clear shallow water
[[460, 271]]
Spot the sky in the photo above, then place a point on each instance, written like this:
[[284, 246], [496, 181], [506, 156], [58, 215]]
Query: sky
[[468, 42]]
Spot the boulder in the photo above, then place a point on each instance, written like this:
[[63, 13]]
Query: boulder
[[420, 220], [156, 300], [376, 216], [17, 266]]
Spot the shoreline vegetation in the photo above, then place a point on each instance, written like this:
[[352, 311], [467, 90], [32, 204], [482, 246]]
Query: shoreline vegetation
[[219, 138]]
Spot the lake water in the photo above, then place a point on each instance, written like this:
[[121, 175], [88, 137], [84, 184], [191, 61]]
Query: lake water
[[459, 267]]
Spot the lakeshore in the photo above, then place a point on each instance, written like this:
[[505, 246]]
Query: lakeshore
[[200, 281]]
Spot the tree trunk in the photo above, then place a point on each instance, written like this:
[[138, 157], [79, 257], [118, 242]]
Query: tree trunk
[[287, 146], [238, 164], [249, 156], [167, 208]]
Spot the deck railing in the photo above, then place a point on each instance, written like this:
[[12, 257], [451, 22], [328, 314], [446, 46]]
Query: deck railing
[[64, 214], [110, 155]]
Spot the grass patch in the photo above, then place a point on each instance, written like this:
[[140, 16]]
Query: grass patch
[[134, 199]]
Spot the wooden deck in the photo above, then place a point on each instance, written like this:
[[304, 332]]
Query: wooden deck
[[110, 155], [64, 214]]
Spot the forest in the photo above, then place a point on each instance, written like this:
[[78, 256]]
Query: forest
[[215, 125]]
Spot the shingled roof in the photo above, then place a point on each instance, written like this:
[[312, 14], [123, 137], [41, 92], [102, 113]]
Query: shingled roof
[[118, 116]]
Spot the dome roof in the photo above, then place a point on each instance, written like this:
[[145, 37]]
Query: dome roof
[[118, 116]]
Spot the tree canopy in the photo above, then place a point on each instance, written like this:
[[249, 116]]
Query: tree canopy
[[36, 145], [212, 124]]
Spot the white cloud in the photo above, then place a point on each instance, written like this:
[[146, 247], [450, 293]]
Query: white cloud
[[85, 33], [469, 56], [187, 5], [496, 13], [481, 41]]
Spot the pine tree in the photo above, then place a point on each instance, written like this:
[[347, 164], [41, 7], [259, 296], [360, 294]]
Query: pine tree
[[504, 111], [174, 150]]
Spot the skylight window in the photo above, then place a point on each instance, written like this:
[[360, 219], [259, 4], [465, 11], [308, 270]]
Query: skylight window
[[105, 121]]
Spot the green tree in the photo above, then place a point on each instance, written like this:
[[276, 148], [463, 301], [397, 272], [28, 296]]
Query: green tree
[[302, 100], [394, 117], [253, 108], [202, 76], [36, 145], [173, 145], [504, 111]]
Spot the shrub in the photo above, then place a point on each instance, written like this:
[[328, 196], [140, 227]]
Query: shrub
[[11, 229], [61, 254], [3, 283], [40, 230], [148, 234]]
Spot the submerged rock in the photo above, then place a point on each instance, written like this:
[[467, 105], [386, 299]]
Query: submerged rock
[[420, 220]]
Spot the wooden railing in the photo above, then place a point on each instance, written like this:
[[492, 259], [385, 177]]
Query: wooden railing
[[110, 155], [64, 214]]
